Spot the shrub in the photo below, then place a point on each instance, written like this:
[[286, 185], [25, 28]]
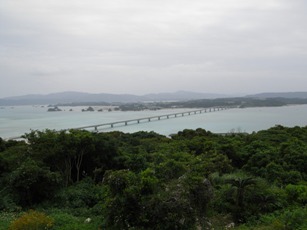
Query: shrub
[[84, 194], [7, 201], [295, 219], [65, 220], [297, 193], [32, 220], [6, 218]]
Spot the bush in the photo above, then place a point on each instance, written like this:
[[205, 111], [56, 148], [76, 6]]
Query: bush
[[295, 219], [7, 201], [84, 194], [290, 219], [32, 220], [297, 193], [33, 183], [64, 220], [6, 218]]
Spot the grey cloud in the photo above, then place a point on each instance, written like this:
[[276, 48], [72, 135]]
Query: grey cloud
[[229, 46]]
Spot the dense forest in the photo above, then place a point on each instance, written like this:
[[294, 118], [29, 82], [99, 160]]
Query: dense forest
[[191, 180]]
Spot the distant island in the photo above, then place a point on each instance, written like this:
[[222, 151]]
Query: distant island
[[54, 109], [89, 109], [239, 102], [280, 95]]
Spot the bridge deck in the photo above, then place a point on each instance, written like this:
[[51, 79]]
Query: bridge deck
[[152, 118]]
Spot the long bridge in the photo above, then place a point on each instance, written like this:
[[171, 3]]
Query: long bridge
[[110, 125], [98, 127]]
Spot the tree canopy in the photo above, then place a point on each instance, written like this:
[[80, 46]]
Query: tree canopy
[[144, 180]]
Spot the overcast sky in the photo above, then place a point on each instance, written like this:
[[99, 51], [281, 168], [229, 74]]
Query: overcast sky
[[151, 46]]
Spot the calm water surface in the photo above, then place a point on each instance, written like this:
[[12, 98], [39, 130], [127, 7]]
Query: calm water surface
[[17, 120]]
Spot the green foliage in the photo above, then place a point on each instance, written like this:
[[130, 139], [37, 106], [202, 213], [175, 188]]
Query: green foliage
[[64, 220], [235, 195], [148, 181], [171, 169], [12, 156], [210, 162], [288, 219], [8, 200], [122, 207], [295, 219], [84, 194], [33, 183], [32, 220], [199, 193], [297, 193], [6, 218]]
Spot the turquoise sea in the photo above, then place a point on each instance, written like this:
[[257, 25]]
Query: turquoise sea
[[17, 120]]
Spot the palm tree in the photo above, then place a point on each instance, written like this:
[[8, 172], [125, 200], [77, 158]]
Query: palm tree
[[239, 185]]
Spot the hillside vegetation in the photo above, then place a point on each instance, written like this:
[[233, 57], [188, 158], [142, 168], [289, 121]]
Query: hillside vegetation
[[192, 180], [240, 102]]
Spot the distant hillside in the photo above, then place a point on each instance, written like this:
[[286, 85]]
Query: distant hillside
[[78, 97], [182, 96], [67, 97], [281, 95]]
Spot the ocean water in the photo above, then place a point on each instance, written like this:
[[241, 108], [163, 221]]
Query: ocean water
[[17, 120]]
